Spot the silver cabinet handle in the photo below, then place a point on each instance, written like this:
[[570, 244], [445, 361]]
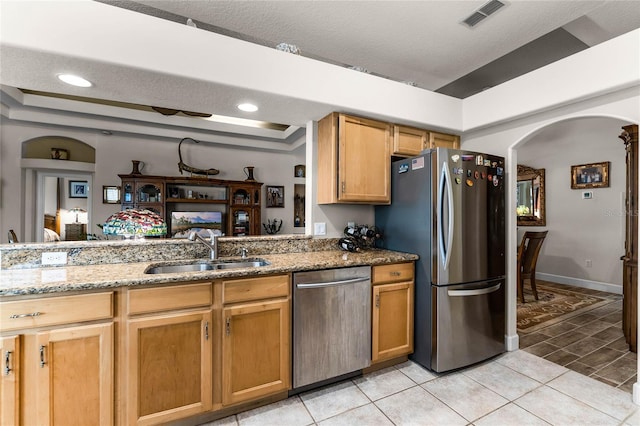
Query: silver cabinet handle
[[332, 283], [228, 326], [206, 330], [475, 292], [42, 363], [33, 314], [377, 300], [7, 363]]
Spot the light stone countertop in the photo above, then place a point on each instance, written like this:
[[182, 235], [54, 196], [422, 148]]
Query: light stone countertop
[[17, 282]]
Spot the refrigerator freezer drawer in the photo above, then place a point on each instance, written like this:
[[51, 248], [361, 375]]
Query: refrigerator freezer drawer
[[469, 324]]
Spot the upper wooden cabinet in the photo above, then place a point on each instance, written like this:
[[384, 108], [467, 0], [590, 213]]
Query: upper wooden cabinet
[[409, 141], [354, 160], [443, 140]]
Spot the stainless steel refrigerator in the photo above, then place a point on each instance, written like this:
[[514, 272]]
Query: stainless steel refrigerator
[[448, 206]]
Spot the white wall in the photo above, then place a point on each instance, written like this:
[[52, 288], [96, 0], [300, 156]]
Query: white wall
[[580, 229], [113, 156]]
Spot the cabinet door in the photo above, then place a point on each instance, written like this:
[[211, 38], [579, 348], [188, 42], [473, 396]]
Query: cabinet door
[[255, 350], [408, 141], [392, 333], [364, 160], [10, 381], [442, 140], [75, 376], [169, 367]]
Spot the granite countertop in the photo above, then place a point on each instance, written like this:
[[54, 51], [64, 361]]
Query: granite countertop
[[16, 282]]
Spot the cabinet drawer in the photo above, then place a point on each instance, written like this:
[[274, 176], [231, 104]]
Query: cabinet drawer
[[55, 310], [392, 273], [157, 299], [248, 289]]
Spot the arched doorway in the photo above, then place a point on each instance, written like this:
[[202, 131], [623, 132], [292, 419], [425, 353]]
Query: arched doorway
[[58, 187], [579, 238]]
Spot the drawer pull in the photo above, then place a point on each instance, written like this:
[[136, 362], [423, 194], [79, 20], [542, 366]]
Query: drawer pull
[[7, 363], [42, 363], [395, 273], [33, 314]]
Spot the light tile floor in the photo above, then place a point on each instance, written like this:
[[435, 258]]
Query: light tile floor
[[516, 388]]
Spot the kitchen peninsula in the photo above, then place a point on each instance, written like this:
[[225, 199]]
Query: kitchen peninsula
[[155, 348]]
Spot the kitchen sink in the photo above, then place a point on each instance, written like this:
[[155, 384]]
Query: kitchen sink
[[206, 266]]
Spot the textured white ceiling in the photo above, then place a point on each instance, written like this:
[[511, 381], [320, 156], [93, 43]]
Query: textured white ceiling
[[419, 41]]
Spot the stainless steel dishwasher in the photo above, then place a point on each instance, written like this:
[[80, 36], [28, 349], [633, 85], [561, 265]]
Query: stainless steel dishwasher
[[331, 323]]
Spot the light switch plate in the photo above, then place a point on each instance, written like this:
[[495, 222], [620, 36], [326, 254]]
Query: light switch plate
[[320, 228], [54, 258]]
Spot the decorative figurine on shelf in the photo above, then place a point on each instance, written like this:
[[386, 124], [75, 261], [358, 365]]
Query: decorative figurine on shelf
[[193, 170], [249, 172], [272, 226]]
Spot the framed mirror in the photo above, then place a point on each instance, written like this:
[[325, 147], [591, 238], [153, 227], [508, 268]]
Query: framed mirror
[[530, 206]]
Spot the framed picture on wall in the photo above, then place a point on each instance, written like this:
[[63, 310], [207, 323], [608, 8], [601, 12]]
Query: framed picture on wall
[[275, 196], [78, 189], [111, 195], [594, 175]]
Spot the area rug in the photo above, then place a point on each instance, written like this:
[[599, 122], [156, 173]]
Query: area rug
[[554, 305]]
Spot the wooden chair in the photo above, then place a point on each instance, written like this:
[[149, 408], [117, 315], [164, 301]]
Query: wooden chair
[[527, 259]]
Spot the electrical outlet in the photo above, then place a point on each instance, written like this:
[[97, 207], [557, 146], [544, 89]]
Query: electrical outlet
[[588, 263], [320, 228], [54, 258]]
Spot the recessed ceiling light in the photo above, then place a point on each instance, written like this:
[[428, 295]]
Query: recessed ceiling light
[[74, 80], [247, 107]]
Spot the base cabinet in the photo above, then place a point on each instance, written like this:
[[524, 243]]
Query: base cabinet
[[392, 316], [74, 376], [10, 380], [55, 369], [169, 367], [256, 350]]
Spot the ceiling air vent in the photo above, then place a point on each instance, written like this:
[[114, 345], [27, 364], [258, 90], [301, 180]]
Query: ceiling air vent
[[486, 10]]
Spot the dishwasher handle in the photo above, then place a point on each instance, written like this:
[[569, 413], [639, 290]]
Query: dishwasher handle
[[332, 283]]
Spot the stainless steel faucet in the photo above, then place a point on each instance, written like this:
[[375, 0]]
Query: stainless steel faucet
[[213, 245]]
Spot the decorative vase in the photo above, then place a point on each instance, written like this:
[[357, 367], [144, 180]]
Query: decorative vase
[[249, 172], [136, 167]]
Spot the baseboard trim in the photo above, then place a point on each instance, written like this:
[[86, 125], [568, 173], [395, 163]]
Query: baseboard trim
[[512, 343], [578, 282]]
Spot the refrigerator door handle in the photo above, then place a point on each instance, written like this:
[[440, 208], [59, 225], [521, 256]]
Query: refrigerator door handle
[[445, 182], [474, 292]]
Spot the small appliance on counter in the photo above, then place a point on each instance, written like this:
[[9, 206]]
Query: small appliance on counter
[[448, 206]]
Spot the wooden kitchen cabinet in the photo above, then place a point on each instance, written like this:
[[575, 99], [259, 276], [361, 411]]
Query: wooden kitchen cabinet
[[74, 378], [354, 160], [443, 140], [10, 380], [409, 141], [60, 372], [256, 354], [169, 365], [392, 316]]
